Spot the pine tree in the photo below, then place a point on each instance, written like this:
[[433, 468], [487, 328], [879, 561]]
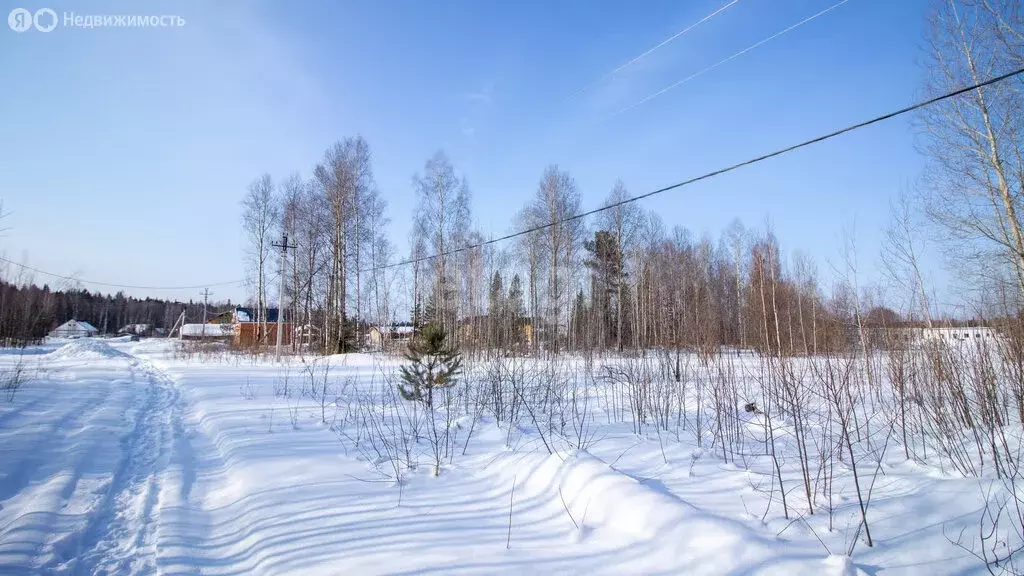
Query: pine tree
[[417, 316], [515, 298], [608, 276], [579, 322], [515, 314], [497, 313], [440, 307], [433, 363]]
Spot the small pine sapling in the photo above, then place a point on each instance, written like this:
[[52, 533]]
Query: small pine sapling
[[433, 363]]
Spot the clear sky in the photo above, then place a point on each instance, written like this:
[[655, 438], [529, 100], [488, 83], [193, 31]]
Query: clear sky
[[124, 153]]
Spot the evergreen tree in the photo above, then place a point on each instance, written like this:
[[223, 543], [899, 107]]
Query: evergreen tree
[[433, 363], [515, 298], [497, 313], [579, 322], [440, 308], [417, 316], [515, 312], [607, 272], [347, 335]]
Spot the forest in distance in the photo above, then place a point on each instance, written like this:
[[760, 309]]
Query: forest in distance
[[28, 312]]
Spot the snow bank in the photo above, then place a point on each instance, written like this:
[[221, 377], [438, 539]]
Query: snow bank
[[632, 513], [617, 506], [594, 493], [86, 349]]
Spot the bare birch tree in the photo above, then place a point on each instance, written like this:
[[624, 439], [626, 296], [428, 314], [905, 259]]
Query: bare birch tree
[[260, 217], [442, 219], [974, 183], [624, 221], [901, 253], [557, 200]]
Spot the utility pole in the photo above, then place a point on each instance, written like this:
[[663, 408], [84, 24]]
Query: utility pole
[[206, 296], [179, 322], [280, 295]]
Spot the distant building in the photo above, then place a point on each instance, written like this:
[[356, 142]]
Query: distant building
[[381, 337], [249, 330], [74, 329], [902, 336], [305, 335], [962, 334], [224, 332], [227, 317], [242, 327], [136, 330], [474, 330]]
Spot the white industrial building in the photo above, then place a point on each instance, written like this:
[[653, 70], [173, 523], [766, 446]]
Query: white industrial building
[[947, 334], [962, 334]]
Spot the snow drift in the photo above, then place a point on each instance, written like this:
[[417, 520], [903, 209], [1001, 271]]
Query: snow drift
[[604, 503], [87, 349], [602, 500]]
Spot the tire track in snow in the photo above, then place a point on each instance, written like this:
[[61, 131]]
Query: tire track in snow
[[119, 534], [185, 526]]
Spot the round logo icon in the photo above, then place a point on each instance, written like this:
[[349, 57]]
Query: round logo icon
[[21, 20], [45, 19]]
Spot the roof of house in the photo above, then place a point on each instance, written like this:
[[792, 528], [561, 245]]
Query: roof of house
[[77, 325], [521, 320], [208, 330], [249, 314], [222, 317], [395, 329]]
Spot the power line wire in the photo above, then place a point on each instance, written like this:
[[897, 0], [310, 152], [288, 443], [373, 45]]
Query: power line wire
[[733, 57], [713, 173], [705, 176], [111, 285], [671, 38]]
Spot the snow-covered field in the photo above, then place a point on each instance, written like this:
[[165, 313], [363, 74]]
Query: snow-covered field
[[127, 458]]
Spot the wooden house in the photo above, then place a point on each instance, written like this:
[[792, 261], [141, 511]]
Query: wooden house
[[252, 330]]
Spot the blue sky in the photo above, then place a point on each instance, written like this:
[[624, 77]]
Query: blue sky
[[125, 152]]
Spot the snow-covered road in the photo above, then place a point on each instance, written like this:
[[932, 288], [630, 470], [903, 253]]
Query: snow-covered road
[[84, 462]]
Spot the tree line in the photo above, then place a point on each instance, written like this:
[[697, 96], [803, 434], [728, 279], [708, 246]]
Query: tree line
[[29, 312], [621, 280]]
